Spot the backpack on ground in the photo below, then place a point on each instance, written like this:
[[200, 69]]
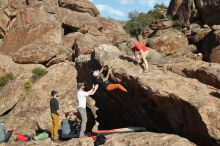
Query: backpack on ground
[[99, 140]]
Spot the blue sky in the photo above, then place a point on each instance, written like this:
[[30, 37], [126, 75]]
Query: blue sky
[[119, 9]]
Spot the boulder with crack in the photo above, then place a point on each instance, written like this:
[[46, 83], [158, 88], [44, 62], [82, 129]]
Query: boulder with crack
[[159, 101], [81, 22]]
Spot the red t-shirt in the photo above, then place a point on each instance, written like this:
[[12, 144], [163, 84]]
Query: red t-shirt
[[139, 46]]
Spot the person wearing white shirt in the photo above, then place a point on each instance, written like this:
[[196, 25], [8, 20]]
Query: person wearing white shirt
[[81, 100]]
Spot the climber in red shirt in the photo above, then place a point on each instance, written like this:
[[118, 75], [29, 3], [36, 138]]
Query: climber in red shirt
[[140, 52]]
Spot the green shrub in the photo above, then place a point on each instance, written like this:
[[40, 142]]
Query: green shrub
[[137, 24], [37, 73], [4, 79], [27, 85]]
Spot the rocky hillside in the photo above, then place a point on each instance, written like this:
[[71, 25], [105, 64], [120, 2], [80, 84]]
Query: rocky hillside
[[197, 15], [53, 44], [196, 10]]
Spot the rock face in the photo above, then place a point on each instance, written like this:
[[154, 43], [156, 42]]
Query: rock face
[[34, 105], [43, 53], [70, 39], [28, 34], [189, 10], [31, 107], [182, 109], [40, 25], [168, 41], [113, 31], [84, 6], [181, 98], [86, 43], [30, 15], [215, 55], [31, 27], [206, 73], [21, 74], [80, 22]]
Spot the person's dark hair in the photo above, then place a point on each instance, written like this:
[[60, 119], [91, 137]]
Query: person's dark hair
[[53, 93], [79, 85], [67, 114]]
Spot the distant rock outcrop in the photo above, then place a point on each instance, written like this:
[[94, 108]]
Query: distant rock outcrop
[[191, 10]]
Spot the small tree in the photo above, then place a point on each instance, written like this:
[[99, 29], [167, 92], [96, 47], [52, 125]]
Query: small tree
[[137, 24]]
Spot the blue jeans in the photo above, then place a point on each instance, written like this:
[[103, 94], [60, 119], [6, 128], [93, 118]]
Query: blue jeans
[[7, 136]]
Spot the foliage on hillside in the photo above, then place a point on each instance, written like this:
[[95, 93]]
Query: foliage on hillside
[[138, 22]]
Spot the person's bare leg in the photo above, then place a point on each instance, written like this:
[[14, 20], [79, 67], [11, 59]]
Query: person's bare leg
[[145, 64]]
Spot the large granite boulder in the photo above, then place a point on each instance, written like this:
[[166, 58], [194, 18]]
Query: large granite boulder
[[84, 6], [24, 35], [113, 31], [41, 53], [207, 73], [81, 22], [86, 43], [168, 41], [159, 101]]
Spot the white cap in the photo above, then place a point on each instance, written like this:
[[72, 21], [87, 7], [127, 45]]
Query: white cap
[[96, 73]]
